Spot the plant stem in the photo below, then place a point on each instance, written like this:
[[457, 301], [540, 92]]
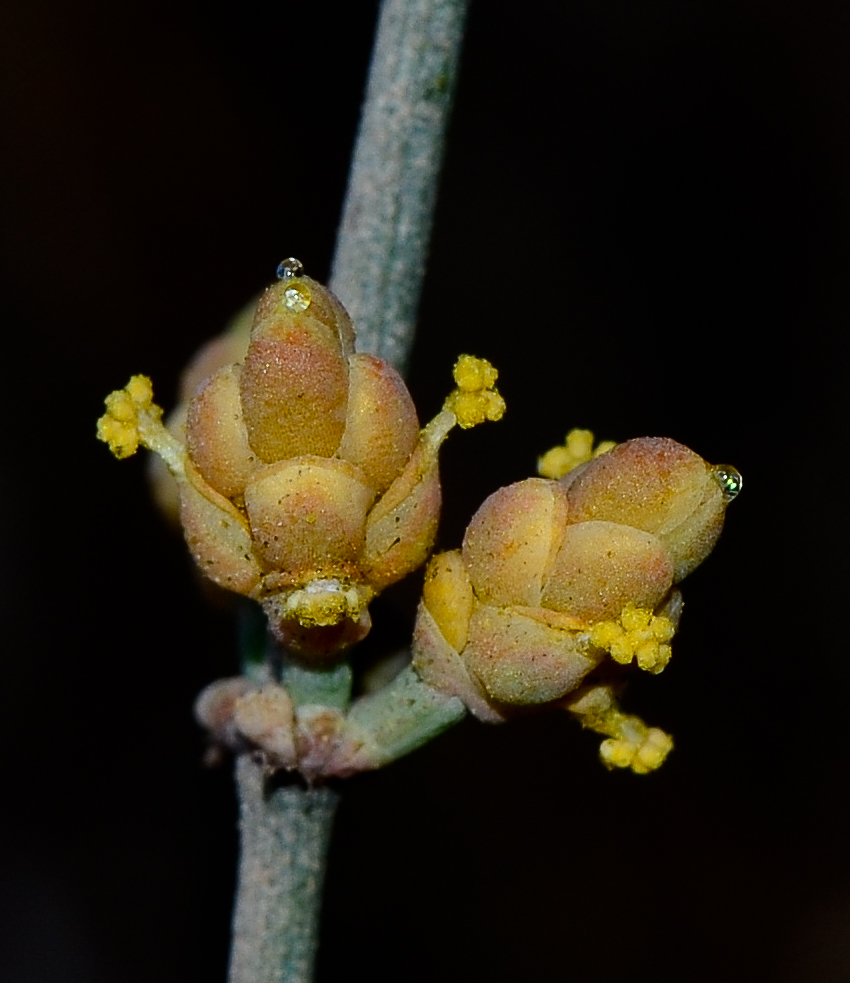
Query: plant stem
[[404, 715], [386, 224], [377, 273], [285, 833]]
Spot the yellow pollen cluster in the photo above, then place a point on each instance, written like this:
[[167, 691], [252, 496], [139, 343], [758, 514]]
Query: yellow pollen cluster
[[476, 398], [630, 743], [119, 426], [577, 448], [642, 752], [133, 418], [639, 635]]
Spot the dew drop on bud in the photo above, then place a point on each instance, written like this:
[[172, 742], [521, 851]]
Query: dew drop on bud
[[288, 268], [296, 297], [729, 479]]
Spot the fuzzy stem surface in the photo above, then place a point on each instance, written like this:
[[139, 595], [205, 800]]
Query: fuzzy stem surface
[[377, 273], [285, 832], [404, 715], [386, 223]]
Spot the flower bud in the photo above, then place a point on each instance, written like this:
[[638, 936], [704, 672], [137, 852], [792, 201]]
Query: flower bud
[[304, 480], [302, 438], [556, 575]]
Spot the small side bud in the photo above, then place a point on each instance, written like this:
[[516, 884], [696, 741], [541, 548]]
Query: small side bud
[[266, 718]]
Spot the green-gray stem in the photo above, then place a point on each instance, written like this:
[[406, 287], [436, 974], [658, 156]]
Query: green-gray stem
[[403, 716], [386, 224], [377, 273], [285, 833]]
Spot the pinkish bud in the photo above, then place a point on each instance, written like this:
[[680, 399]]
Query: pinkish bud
[[555, 574], [305, 482]]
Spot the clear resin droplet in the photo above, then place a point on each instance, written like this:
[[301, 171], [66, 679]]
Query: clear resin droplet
[[288, 268], [297, 297], [729, 479]]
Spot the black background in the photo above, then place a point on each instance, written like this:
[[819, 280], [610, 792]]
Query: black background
[[644, 223]]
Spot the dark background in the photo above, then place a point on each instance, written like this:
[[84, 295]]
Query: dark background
[[644, 222]]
